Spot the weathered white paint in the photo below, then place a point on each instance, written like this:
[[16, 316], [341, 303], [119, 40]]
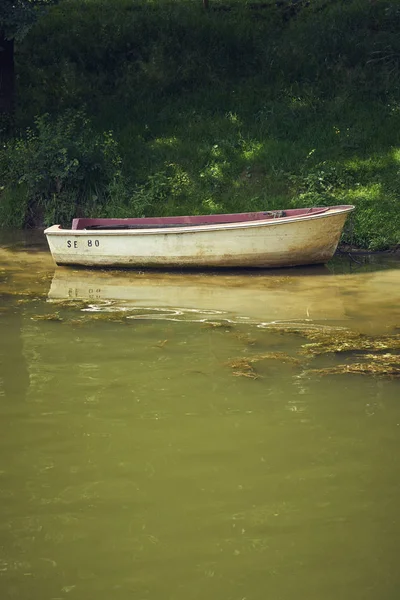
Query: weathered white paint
[[289, 241]]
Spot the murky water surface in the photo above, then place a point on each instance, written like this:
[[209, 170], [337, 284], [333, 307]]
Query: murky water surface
[[229, 436]]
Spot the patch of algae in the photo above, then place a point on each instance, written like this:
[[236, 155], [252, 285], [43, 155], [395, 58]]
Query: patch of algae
[[103, 317], [74, 304], [49, 317], [244, 366], [381, 365], [90, 317], [349, 341], [378, 356], [335, 340], [217, 325]]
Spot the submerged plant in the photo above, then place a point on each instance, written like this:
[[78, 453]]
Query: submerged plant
[[243, 367], [348, 341], [55, 317], [376, 355], [380, 365], [324, 340]]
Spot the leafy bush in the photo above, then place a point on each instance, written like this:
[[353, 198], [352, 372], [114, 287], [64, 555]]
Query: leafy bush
[[60, 169]]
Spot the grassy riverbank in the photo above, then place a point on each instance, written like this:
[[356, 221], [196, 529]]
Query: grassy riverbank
[[237, 108]]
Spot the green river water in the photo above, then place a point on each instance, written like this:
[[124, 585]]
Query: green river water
[[174, 436]]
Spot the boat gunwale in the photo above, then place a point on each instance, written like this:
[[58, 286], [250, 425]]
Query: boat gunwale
[[250, 224]]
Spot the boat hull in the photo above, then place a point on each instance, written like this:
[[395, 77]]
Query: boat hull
[[288, 241]]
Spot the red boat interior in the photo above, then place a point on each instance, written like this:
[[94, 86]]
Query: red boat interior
[[162, 222]]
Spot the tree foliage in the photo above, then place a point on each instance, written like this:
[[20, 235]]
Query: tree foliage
[[17, 16]]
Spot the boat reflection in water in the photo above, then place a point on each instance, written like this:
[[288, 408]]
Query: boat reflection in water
[[287, 295]]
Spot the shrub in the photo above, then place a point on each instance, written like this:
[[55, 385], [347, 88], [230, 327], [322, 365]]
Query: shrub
[[58, 169]]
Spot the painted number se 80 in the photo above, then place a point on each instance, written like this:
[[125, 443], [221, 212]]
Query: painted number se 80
[[90, 243]]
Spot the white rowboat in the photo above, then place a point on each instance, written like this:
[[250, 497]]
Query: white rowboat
[[262, 239]]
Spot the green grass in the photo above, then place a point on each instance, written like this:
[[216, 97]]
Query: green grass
[[233, 109]]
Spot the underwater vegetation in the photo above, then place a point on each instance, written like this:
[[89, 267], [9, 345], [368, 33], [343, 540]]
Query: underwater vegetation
[[359, 354], [365, 355]]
